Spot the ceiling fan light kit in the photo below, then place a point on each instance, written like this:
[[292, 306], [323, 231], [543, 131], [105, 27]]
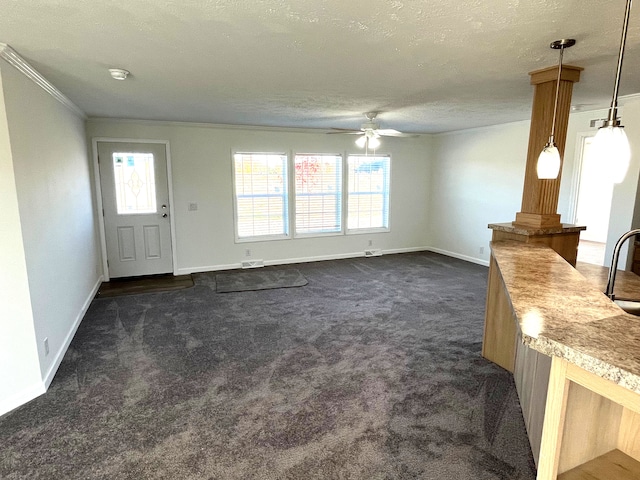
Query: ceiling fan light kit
[[373, 142], [369, 139], [370, 132], [361, 141]]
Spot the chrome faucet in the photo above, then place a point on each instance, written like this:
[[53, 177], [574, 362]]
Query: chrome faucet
[[614, 261]]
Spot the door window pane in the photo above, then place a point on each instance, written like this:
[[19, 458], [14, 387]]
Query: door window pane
[[135, 183]]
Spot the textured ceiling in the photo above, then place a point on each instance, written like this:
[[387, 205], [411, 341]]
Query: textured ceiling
[[428, 66]]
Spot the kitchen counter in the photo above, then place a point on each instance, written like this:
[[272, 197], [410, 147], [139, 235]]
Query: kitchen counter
[[561, 313], [627, 286], [518, 229], [575, 357]]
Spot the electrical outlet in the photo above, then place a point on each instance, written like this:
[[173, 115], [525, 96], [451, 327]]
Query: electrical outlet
[[247, 252], [481, 250], [370, 242], [193, 207], [46, 346]]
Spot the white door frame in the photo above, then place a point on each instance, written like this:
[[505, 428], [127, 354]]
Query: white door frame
[[577, 173], [96, 171]]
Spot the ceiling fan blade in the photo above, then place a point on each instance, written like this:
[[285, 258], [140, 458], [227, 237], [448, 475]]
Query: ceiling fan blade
[[390, 132], [345, 131]]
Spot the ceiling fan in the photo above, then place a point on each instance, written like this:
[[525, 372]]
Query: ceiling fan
[[371, 132]]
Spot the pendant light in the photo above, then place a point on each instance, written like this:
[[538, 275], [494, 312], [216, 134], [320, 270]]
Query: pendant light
[[611, 144], [548, 166]]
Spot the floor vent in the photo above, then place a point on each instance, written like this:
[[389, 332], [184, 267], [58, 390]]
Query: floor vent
[[373, 252], [252, 263]]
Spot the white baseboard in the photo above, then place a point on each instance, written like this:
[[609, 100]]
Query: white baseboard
[[317, 258], [286, 261], [38, 388], [406, 250], [48, 378], [208, 268], [22, 397], [466, 258]]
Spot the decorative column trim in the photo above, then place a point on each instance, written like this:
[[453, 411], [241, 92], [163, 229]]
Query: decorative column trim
[[14, 59], [540, 197]]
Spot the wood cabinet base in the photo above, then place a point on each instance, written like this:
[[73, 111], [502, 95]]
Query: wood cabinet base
[[589, 422], [614, 465]]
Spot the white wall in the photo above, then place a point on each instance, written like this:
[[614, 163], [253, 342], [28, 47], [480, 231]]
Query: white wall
[[578, 127], [20, 378], [54, 191], [477, 179], [202, 173], [626, 193]]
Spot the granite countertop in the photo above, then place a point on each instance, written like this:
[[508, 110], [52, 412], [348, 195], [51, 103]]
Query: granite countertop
[[562, 314], [627, 286], [522, 230]]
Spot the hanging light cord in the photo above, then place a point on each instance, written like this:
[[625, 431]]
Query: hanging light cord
[[555, 104], [613, 111]]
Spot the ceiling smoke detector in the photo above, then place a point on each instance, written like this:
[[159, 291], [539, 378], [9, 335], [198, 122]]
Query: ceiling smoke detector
[[118, 73]]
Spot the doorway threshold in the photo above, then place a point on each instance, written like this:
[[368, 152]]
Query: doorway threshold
[[144, 284]]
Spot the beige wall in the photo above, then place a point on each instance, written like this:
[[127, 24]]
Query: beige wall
[[20, 378], [625, 194], [52, 181], [477, 179], [201, 159]]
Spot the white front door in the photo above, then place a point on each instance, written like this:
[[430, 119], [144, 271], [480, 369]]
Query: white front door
[[135, 200]]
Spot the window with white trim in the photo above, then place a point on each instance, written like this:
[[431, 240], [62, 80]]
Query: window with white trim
[[318, 194], [368, 192], [261, 195]]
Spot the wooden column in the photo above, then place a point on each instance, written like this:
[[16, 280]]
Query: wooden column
[[539, 222], [540, 197]]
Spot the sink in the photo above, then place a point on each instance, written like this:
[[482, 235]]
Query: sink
[[629, 306]]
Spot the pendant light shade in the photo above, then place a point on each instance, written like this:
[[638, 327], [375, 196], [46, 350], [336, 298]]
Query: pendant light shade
[[549, 161], [361, 141], [548, 166], [611, 146], [611, 143]]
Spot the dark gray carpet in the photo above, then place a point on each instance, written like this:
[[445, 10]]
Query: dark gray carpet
[[261, 279], [372, 371]]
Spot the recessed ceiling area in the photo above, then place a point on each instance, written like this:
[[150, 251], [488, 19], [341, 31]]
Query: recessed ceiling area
[[427, 66]]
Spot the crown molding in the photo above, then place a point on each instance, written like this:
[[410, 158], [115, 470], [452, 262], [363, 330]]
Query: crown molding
[[218, 126], [624, 99], [13, 58]]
